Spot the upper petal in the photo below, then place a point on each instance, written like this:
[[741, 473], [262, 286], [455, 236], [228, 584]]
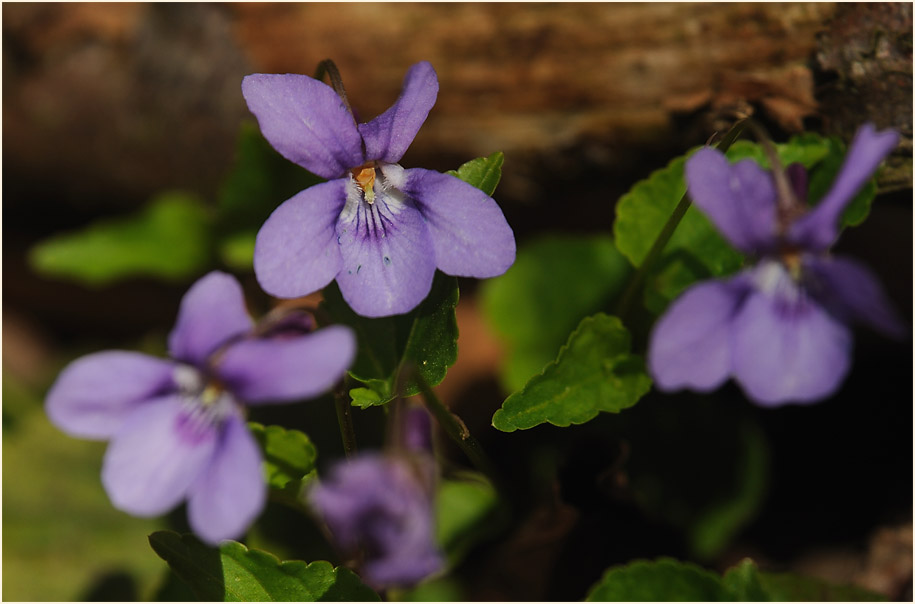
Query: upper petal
[[288, 368], [388, 263], [818, 229], [852, 293], [94, 394], [296, 251], [231, 491], [739, 199], [156, 456], [690, 345], [388, 136], [787, 348], [306, 121], [470, 235], [212, 312]]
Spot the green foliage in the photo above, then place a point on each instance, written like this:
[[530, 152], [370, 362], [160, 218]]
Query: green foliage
[[425, 339], [289, 455], [483, 172], [594, 372], [666, 579], [555, 282], [168, 239], [234, 573], [462, 507]]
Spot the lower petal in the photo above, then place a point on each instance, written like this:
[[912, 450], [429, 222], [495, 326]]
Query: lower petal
[[156, 456], [283, 369], [470, 235], [295, 252], [388, 262], [231, 491], [95, 394], [690, 344], [788, 350]]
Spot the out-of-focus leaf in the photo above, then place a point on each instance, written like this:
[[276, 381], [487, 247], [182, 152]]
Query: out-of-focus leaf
[[461, 506], [288, 454], [749, 584], [168, 239], [237, 251], [424, 339], [669, 580], [234, 573], [483, 172], [594, 372], [260, 180], [662, 580], [555, 282], [695, 251]]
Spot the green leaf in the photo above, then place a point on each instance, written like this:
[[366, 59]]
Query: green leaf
[[237, 251], [483, 172], [749, 584], [594, 372], [666, 579], [695, 251], [234, 573], [289, 455], [425, 339], [168, 239], [462, 506], [555, 282], [663, 580], [808, 149], [821, 180], [260, 180]]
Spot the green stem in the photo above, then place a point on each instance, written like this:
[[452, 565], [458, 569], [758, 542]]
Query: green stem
[[635, 282], [345, 419], [455, 428]]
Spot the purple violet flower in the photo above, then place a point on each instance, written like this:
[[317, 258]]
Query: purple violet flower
[[376, 228], [779, 328], [177, 426], [379, 508]]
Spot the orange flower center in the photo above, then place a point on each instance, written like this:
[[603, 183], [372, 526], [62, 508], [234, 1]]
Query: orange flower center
[[365, 178]]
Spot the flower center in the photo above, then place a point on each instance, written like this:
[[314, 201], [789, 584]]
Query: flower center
[[365, 180], [207, 401]]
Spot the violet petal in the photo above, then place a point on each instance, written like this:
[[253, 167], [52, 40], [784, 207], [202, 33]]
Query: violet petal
[[94, 394], [211, 313], [387, 261], [231, 491], [739, 199], [786, 348], [852, 292], [156, 456], [470, 235], [286, 369], [388, 136], [690, 344], [819, 229], [296, 251], [306, 121], [379, 504]]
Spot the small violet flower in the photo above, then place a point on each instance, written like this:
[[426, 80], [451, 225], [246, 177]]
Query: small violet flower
[[379, 509], [779, 328], [177, 426], [376, 228]]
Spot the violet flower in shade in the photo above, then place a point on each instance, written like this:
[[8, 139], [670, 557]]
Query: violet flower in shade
[[780, 327], [177, 426], [379, 508], [378, 229]]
